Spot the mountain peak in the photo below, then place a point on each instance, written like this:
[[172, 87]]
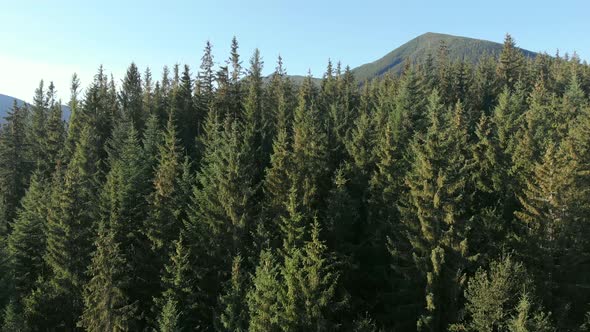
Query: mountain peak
[[417, 49]]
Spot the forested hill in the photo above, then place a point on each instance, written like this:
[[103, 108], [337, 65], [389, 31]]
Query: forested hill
[[451, 197], [420, 48]]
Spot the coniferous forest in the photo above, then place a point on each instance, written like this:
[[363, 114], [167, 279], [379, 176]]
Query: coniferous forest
[[451, 197]]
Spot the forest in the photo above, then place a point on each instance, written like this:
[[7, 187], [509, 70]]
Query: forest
[[453, 196]]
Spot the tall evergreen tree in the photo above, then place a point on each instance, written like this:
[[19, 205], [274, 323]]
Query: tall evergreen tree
[[234, 310], [131, 97], [263, 303], [26, 243], [71, 218], [106, 307], [436, 216], [510, 63], [15, 165]]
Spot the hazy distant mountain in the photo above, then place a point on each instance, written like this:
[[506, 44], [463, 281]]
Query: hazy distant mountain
[[417, 49], [6, 103]]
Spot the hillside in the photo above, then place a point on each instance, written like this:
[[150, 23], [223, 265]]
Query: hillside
[[420, 47]]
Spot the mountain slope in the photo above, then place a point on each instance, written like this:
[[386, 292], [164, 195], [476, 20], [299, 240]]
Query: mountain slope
[[418, 49]]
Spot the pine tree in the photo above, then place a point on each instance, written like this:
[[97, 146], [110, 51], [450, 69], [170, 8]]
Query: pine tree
[[168, 318], [510, 63], [148, 103], [276, 188], [38, 127], [292, 227], [235, 89], [234, 310], [124, 208], [106, 307], [492, 296], [15, 165], [263, 304], [12, 319], [185, 113], [26, 243], [280, 101], [100, 111], [71, 218], [550, 214], [318, 284], [206, 77], [131, 97], [178, 303], [75, 120], [166, 214], [55, 140], [528, 318], [408, 116], [436, 216], [493, 201], [309, 152], [222, 201], [256, 119]]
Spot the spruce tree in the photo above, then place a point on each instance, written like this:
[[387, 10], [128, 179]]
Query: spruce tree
[[15, 165], [263, 303], [276, 188], [436, 216], [165, 213], [26, 243], [124, 208], [71, 225], [185, 113], [309, 152], [206, 77], [318, 284], [75, 121], [106, 307], [510, 63], [178, 303], [493, 295], [552, 208], [38, 127], [234, 310], [55, 140], [131, 97]]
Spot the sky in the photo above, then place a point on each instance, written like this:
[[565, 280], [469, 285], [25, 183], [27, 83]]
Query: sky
[[51, 40]]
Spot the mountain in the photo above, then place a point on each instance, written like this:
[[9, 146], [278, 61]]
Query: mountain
[[6, 103], [419, 48]]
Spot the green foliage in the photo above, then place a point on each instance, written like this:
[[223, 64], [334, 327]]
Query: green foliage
[[106, 308], [493, 296], [234, 310], [196, 203], [263, 297], [26, 243]]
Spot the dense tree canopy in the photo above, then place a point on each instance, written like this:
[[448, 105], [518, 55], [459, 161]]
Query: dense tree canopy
[[451, 197]]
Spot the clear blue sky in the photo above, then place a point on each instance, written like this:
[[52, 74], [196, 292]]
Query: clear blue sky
[[53, 39]]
